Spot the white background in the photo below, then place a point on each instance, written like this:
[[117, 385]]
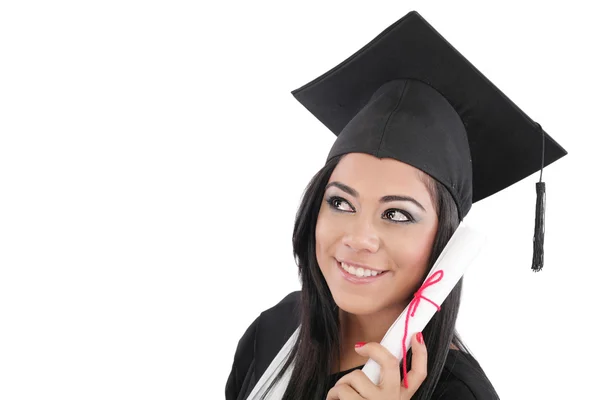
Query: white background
[[152, 159]]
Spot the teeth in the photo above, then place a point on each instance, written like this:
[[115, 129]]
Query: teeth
[[359, 272]]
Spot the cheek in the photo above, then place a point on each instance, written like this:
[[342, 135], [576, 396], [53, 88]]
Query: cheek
[[326, 232], [414, 251], [321, 234]]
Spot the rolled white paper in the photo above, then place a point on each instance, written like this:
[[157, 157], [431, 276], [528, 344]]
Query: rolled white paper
[[461, 250]]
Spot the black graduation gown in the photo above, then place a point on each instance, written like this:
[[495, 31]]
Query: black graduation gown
[[461, 379]]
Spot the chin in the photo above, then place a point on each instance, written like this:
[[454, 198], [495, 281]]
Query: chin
[[353, 303]]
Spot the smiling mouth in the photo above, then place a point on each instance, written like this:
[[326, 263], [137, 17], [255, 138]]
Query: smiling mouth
[[359, 275]]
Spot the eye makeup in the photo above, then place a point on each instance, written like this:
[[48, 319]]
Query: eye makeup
[[333, 200], [335, 203]]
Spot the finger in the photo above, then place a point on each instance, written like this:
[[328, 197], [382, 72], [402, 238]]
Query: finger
[[361, 383], [343, 392], [390, 365], [418, 366]]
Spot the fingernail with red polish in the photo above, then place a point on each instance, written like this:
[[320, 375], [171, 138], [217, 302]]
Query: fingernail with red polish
[[359, 344], [420, 337]]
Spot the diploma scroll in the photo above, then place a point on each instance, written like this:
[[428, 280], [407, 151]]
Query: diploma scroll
[[461, 250]]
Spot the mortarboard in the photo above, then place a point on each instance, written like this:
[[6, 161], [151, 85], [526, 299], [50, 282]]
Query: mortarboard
[[411, 96]]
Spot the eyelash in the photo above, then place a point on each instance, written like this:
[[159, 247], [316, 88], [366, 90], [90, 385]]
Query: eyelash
[[333, 199]]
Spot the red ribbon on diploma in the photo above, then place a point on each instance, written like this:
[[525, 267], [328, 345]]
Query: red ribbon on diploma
[[412, 307]]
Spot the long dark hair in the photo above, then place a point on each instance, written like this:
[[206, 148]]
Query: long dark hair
[[318, 344]]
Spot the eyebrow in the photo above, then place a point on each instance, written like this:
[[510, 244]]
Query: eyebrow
[[384, 199]]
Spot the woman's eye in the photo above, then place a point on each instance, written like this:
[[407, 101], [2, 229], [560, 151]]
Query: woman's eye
[[337, 203], [398, 216]]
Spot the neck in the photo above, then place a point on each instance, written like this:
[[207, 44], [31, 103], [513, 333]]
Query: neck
[[369, 327], [363, 328]]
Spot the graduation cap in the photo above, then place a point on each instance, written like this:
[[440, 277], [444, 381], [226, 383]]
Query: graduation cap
[[411, 96]]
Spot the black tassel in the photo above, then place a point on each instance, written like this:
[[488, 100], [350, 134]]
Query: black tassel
[[538, 235], [540, 209]]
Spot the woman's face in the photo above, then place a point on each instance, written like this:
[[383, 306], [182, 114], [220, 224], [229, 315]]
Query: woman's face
[[377, 213]]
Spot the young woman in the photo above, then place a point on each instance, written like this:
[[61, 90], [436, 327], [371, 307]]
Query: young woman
[[421, 136]]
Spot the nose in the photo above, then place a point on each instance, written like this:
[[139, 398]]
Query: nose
[[362, 237]]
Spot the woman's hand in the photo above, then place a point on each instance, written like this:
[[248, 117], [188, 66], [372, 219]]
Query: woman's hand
[[357, 386]]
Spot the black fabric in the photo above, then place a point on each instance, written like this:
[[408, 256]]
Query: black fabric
[[411, 96], [461, 379], [260, 344]]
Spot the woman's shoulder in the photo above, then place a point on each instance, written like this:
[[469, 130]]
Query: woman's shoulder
[[287, 310], [275, 327], [463, 378], [275, 324], [260, 343]]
